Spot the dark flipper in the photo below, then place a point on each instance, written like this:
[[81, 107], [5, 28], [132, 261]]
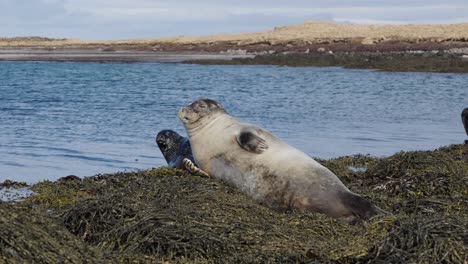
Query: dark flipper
[[250, 140], [361, 208]]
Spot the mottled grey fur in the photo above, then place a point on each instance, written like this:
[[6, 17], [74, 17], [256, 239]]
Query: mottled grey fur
[[174, 147]]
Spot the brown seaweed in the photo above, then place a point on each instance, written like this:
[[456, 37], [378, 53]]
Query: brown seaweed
[[167, 215]]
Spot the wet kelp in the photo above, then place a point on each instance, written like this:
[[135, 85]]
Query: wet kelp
[[383, 61], [166, 215]]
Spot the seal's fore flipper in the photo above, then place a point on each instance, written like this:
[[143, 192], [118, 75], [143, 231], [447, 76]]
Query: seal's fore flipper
[[250, 140], [193, 169]]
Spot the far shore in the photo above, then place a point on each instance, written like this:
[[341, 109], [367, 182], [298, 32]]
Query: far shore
[[82, 55], [443, 60], [412, 48]]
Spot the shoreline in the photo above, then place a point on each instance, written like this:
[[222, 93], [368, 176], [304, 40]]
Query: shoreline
[[83, 55], [10, 183], [392, 57], [438, 62]]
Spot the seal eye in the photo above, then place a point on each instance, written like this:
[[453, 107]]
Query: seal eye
[[161, 142]]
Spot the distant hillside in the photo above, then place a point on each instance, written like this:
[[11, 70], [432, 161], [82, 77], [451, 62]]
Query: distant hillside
[[32, 39], [320, 31], [310, 32]]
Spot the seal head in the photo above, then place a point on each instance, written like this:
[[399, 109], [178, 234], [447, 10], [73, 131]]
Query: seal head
[[195, 113], [174, 148]]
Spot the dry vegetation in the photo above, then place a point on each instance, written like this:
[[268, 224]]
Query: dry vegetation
[[313, 32], [320, 31]]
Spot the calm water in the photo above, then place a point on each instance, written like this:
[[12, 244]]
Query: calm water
[[58, 119]]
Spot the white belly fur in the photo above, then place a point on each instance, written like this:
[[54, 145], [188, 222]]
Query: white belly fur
[[216, 151]]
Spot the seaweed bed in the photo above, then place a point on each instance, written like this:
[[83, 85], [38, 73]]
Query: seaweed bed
[[164, 214], [383, 61]]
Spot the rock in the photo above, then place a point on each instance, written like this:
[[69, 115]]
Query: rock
[[368, 41], [236, 52], [458, 51], [416, 51], [272, 42]]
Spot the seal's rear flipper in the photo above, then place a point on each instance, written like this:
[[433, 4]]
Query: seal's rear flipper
[[249, 140], [193, 169], [361, 208]]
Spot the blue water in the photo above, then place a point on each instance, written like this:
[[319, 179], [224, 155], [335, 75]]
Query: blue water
[[58, 119]]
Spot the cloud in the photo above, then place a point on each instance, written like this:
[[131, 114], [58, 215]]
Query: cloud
[[119, 19], [23, 11]]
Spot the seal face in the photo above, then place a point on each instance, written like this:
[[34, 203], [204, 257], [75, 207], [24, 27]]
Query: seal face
[[199, 109], [177, 152], [266, 168], [174, 148]]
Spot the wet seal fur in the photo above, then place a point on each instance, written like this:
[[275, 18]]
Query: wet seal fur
[[464, 116], [266, 168], [177, 151], [174, 148]]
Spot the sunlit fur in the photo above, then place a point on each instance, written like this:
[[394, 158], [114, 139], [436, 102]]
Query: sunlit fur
[[281, 177]]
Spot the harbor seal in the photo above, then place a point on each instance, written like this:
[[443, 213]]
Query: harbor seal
[[464, 116], [266, 168], [177, 151]]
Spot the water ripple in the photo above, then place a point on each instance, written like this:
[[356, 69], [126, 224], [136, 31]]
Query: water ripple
[[86, 118]]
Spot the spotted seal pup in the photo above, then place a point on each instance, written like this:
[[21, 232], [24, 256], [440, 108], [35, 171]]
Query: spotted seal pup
[[266, 168], [177, 152]]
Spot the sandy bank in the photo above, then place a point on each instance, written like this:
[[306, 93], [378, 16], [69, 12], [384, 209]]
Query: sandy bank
[[320, 31], [103, 56], [313, 32]]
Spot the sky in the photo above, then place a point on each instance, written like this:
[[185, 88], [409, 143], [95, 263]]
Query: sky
[[119, 19]]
